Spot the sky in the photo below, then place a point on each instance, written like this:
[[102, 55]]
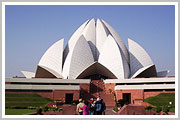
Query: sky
[[31, 30]]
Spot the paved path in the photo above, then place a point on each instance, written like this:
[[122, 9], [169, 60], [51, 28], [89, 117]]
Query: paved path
[[109, 111], [70, 110]]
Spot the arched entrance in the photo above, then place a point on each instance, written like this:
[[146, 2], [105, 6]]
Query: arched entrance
[[96, 72]]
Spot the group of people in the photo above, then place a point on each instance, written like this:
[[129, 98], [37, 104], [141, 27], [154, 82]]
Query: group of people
[[91, 107]]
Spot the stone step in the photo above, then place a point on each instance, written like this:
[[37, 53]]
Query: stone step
[[97, 88]]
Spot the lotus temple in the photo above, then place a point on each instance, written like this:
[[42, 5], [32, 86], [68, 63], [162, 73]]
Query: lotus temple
[[94, 63]]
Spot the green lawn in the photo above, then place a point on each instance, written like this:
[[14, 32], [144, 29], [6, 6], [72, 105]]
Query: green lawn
[[19, 111], [25, 100], [163, 99]]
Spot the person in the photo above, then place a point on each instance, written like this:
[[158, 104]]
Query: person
[[81, 104], [85, 108], [91, 106], [103, 107], [98, 107]]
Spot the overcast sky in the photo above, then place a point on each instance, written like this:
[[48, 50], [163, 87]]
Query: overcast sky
[[31, 30]]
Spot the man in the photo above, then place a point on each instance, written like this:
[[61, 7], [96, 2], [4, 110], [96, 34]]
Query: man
[[81, 104], [98, 107], [91, 105], [103, 107]]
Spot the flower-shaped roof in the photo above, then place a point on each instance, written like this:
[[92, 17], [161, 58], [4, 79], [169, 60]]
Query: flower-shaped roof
[[95, 48]]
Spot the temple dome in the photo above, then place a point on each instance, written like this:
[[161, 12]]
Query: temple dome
[[93, 48]]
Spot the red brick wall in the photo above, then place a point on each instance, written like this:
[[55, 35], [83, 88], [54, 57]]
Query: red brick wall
[[135, 94], [85, 87], [85, 91], [43, 94], [7, 82], [109, 88], [53, 95], [138, 102], [155, 93], [132, 110], [62, 94], [138, 94]]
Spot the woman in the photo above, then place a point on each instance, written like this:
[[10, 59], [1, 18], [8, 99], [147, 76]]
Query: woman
[[85, 108]]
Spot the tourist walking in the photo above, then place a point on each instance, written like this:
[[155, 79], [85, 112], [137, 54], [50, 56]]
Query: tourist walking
[[81, 104], [85, 108]]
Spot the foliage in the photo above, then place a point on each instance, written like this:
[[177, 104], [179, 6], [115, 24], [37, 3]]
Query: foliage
[[139, 99], [158, 109], [171, 109], [121, 102], [115, 109], [60, 100], [148, 108], [60, 110], [45, 109], [165, 109], [39, 111], [75, 102]]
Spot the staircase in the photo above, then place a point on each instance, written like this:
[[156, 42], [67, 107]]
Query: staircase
[[97, 89]]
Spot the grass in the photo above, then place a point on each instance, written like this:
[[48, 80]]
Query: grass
[[25, 100], [19, 111], [163, 99]]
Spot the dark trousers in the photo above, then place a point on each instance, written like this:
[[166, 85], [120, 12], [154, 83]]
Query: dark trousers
[[99, 112]]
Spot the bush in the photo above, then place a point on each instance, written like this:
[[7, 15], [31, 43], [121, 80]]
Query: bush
[[115, 109], [158, 109], [165, 109], [75, 102], [60, 110], [172, 110], [121, 102], [148, 108], [39, 111], [45, 109]]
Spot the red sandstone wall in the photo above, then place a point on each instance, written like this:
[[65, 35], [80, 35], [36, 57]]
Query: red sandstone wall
[[109, 88]]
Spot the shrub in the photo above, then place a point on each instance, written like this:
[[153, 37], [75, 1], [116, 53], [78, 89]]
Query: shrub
[[115, 109], [158, 109], [75, 102], [60, 110], [165, 109], [39, 111], [31, 107], [148, 108], [45, 109], [121, 102]]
